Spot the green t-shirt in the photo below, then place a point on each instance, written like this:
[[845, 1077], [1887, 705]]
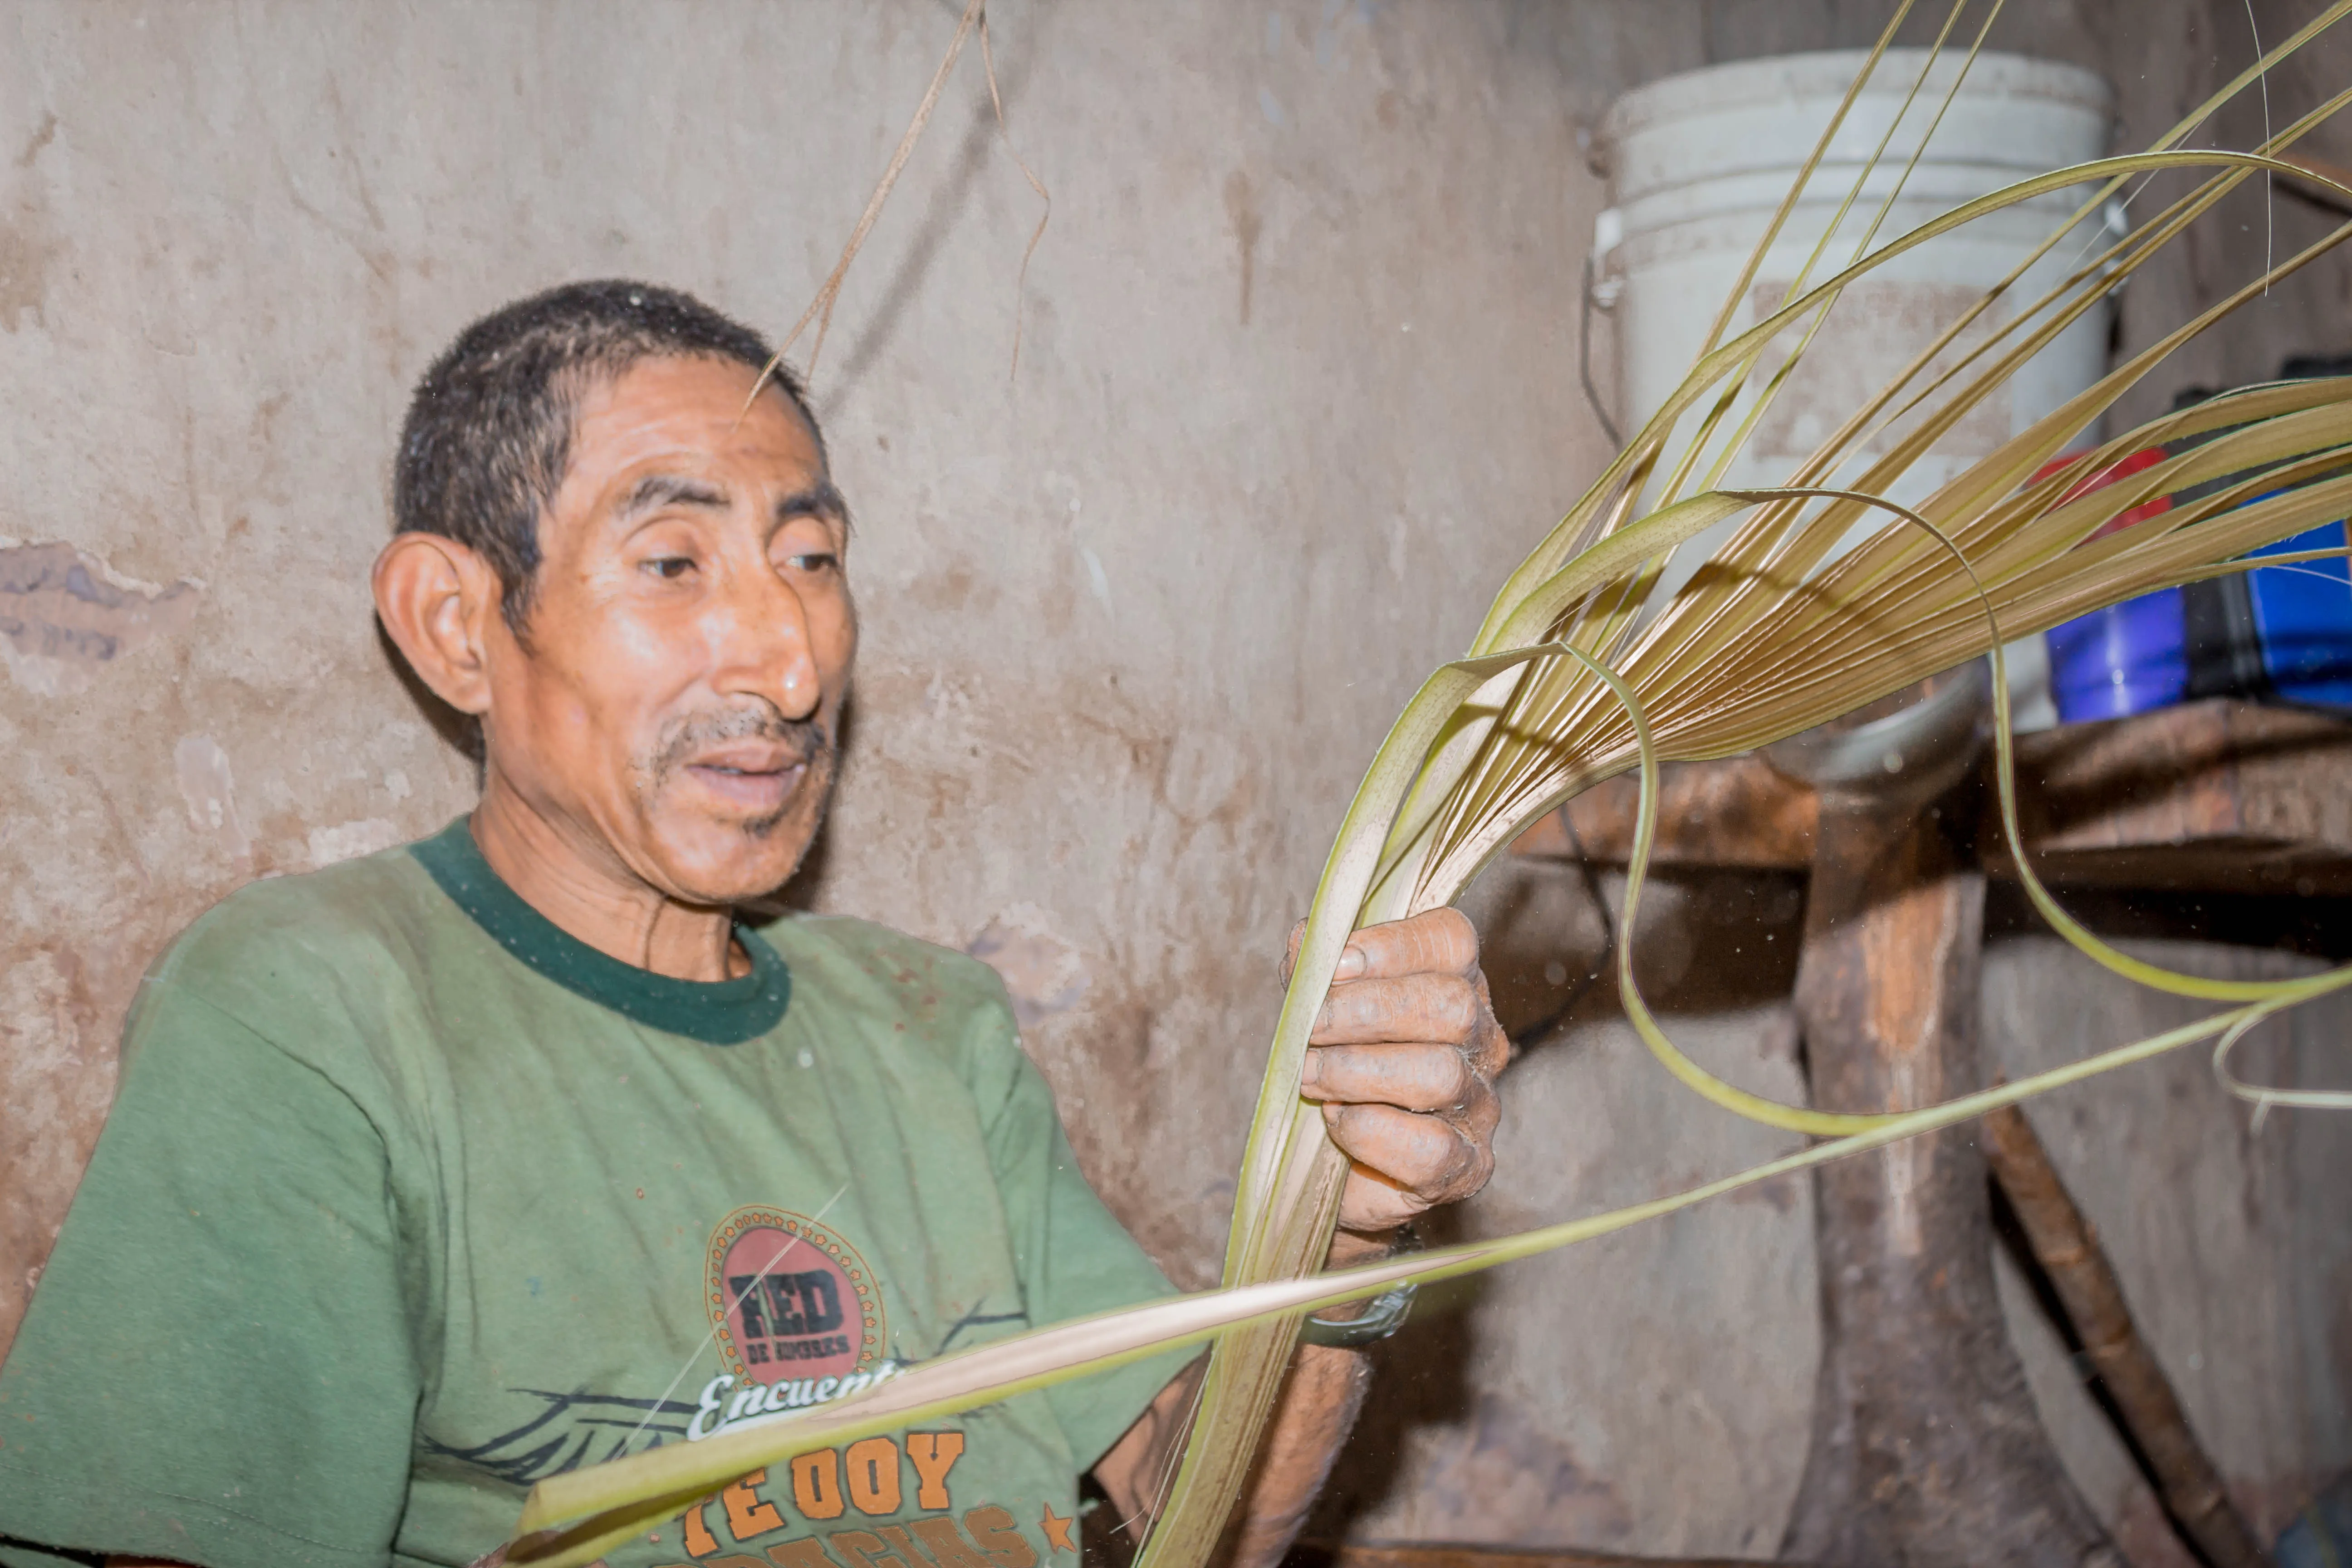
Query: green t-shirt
[[408, 1199]]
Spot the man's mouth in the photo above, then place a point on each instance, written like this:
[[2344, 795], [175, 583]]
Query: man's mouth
[[758, 779], [749, 766]]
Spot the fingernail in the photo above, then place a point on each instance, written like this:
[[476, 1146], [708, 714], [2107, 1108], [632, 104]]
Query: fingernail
[[1351, 964], [1310, 1072]]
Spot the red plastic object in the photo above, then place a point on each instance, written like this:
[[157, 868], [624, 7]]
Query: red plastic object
[[2145, 458]]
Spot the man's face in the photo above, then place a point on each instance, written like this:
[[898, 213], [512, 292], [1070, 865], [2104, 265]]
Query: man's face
[[673, 700]]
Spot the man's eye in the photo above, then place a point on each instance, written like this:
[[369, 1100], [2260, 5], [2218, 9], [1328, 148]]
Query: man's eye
[[813, 561], [669, 567]]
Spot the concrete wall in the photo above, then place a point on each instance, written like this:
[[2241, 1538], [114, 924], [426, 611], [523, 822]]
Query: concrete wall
[[2230, 1235], [1297, 384]]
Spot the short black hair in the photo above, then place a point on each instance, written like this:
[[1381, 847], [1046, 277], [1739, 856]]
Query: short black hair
[[488, 432]]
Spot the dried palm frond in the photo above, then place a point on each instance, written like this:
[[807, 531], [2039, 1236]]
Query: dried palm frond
[[1585, 668], [1764, 641]]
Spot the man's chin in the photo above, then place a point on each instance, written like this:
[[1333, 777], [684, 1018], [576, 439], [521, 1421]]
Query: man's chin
[[730, 860]]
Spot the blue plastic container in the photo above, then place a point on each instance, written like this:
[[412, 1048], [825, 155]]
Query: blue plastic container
[[2127, 659], [2304, 615]]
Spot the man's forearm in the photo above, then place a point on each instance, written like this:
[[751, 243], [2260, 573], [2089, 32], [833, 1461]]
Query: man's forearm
[[1320, 1397], [1322, 1394]]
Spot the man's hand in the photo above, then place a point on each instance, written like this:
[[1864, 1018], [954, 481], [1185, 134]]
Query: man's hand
[[1403, 1058]]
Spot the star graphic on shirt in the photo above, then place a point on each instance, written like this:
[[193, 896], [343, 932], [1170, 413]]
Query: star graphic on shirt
[[1057, 1530]]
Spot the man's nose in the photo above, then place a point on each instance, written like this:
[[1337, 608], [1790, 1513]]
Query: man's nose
[[763, 646]]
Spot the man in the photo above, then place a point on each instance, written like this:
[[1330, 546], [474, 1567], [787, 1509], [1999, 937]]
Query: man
[[515, 1150]]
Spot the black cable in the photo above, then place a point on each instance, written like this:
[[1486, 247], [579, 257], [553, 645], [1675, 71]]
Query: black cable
[[1542, 1028]]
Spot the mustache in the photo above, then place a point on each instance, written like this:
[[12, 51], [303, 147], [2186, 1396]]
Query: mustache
[[808, 740]]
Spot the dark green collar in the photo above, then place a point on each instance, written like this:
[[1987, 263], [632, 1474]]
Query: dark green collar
[[716, 1012]]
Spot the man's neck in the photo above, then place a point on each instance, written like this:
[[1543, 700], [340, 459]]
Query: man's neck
[[589, 894]]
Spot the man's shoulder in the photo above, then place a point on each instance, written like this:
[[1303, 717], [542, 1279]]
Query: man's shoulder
[[337, 912], [319, 969], [845, 962]]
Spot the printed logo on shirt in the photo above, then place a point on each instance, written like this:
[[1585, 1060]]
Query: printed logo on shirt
[[793, 1308], [843, 1495], [797, 1317]]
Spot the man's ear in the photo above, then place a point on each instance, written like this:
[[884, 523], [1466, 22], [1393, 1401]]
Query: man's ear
[[435, 597]]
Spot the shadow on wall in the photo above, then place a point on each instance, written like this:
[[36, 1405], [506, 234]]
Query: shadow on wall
[[1547, 928], [461, 732]]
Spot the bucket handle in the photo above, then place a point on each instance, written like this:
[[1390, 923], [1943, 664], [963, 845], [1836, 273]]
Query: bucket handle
[[1601, 287]]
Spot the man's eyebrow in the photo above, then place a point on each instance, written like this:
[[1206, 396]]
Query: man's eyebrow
[[658, 491], [819, 500]]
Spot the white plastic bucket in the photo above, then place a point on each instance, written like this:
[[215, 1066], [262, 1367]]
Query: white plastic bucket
[[1699, 163]]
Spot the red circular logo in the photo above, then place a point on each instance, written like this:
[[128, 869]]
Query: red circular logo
[[790, 1300]]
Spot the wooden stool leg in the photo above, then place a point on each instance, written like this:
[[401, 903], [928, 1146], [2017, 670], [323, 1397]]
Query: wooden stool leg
[[1927, 1449]]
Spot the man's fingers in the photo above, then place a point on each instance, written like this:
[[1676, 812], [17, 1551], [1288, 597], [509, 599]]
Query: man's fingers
[[1490, 1047], [1418, 1078], [1438, 940], [1423, 1154], [1428, 1156], [1374, 1205], [1442, 1007], [1404, 1047]]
